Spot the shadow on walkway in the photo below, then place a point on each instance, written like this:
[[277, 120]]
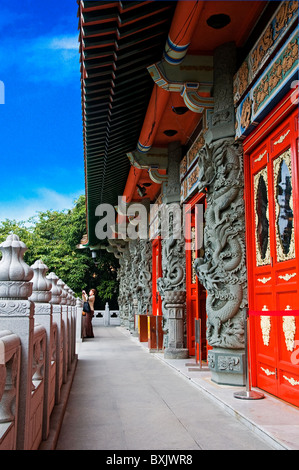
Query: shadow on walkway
[[124, 398]]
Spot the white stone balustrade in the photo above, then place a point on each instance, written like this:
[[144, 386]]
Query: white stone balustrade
[[64, 313], [107, 317], [10, 358], [34, 432], [55, 301], [79, 322], [41, 296], [37, 346]]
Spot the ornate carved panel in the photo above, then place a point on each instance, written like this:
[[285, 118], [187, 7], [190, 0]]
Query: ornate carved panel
[[262, 236], [284, 217], [289, 330], [222, 268]]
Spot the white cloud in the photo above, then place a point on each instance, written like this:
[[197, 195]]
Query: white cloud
[[64, 42], [53, 59], [45, 199], [44, 58]]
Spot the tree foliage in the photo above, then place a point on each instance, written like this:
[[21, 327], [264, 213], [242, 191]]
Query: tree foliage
[[53, 236]]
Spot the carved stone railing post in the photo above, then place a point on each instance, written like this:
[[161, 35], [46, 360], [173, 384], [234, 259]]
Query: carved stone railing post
[[73, 325], [172, 285], [41, 296], [222, 269], [64, 311], [17, 314], [57, 319], [107, 315], [69, 325], [79, 322]]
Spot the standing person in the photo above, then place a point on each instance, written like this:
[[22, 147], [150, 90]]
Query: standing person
[[87, 324]]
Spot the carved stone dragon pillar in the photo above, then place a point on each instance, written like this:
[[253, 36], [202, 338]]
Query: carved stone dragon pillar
[[222, 270], [172, 285]]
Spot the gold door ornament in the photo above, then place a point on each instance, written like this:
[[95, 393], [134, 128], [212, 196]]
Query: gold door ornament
[[193, 255], [284, 226], [289, 330], [291, 380], [262, 234], [265, 322]]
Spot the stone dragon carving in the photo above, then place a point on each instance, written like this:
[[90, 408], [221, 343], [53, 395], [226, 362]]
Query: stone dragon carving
[[222, 268], [173, 261], [144, 288], [124, 287], [173, 271]]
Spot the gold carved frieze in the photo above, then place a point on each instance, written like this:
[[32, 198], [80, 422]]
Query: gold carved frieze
[[184, 190], [193, 177], [275, 74], [275, 30], [189, 169], [183, 166], [258, 97], [261, 49], [192, 153]]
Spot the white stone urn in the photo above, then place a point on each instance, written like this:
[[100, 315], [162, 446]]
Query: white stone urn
[[15, 274], [41, 289], [55, 289], [68, 294], [63, 296]]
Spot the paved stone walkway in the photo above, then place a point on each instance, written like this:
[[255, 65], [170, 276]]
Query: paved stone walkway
[[124, 398]]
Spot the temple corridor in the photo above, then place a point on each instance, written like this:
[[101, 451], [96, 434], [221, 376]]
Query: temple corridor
[[125, 398]]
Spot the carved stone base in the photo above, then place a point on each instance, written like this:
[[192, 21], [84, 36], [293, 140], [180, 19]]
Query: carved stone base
[[175, 304], [176, 353], [227, 366], [134, 332]]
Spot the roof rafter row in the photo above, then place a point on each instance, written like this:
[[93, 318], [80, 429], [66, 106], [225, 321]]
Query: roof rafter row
[[118, 41]]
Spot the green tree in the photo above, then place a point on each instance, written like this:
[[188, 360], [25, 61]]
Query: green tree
[[53, 237]]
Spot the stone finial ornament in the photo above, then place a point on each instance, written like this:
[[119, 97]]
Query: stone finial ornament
[[41, 289], [68, 294], [55, 289], [63, 297], [12, 264], [15, 274]]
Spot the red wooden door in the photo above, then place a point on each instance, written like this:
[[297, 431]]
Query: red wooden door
[[157, 272], [272, 255], [195, 292]]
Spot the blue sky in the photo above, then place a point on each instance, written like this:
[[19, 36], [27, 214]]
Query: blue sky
[[41, 154]]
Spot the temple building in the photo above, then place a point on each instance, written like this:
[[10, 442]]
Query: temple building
[[190, 131]]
